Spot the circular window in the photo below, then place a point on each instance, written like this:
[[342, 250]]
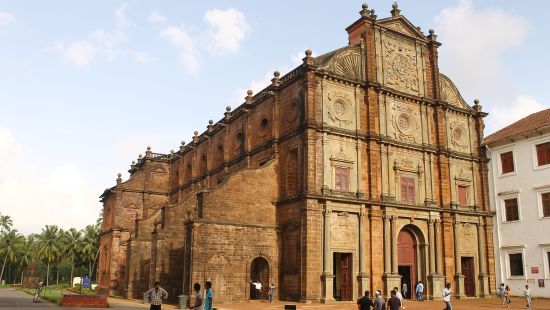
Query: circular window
[[457, 134], [339, 108], [404, 122]]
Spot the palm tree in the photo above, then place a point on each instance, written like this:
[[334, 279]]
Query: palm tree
[[49, 247], [73, 240], [10, 244], [90, 246], [26, 255], [6, 223]]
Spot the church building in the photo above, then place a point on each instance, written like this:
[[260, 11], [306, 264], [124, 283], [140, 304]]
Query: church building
[[361, 169]]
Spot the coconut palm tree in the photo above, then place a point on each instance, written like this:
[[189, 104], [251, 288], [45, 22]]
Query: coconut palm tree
[[27, 253], [49, 247], [73, 240], [10, 244], [6, 223], [90, 246]]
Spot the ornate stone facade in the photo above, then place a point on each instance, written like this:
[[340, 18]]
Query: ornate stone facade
[[360, 169]]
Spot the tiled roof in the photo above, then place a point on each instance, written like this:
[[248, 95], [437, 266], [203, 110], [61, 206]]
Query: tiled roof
[[528, 123]]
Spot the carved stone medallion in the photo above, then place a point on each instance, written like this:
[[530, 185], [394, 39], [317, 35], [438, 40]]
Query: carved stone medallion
[[400, 69], [339, 108]]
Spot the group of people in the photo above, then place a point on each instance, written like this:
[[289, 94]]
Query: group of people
[[505, 294], [257, 291], [418, 290], [395, 302], [157, 295]]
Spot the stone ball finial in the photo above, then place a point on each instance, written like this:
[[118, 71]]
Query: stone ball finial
[[308, 53], [365, 6], [148, 148], [249, 92], [172, 151], [228, 109], [140, 156], [431, 31], [276, 74], [476, 101], [210, 122], [196, 133], [133, 162], [119, 175], [395, 5], [182, 142]]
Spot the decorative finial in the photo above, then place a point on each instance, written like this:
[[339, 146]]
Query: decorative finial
[[308, 53], [172, 151], [431, 31], [119, 175], [140, 156], [248, 97], [133, 162], [210, 122], [227, 113], [372, 15], [182, 146], [276, 81], [119, 179], [395, 10], [477, 106], [432, 36], [148, 148], [183, 142], [228, 109], [276, 74], [365, 10], [196, 133], [476, 101], [365, 6]]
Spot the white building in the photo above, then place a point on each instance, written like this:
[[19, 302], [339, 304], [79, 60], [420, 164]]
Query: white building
[[519, 187]]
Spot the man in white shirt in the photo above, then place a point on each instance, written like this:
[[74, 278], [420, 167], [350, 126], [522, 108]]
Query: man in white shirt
[[258, 287], [527, 294], [420, 291], [400, 296], [447, 297]]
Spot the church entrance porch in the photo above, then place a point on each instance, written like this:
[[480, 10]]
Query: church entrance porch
[[343, 285], [259, 272]]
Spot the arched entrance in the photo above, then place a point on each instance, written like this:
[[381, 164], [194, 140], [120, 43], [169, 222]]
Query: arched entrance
[[259, 272], [410, 247]]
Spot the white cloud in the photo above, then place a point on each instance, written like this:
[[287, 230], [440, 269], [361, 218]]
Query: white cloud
[[156, 18], [521, 107], [80, 53], [34, 198], [227, 28], [224, 32], [6, 18], [145, 58], [178, 36]]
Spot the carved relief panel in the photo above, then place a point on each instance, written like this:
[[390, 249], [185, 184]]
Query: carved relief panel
[[344, 230], [339, 106], [405, 122], [458, 133]]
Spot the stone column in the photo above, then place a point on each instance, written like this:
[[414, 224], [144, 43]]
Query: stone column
[[436, 280], [362, 277], [459, 278], [394, 234], [387, 249], [327, 275], [437, 232], [483, 281], [431, 241]]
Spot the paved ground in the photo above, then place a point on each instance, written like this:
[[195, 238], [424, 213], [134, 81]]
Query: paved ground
[[13, 299]]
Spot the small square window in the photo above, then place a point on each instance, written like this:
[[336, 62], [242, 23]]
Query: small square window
[[516, 264], [507, 162], [511, 209], [463, 195], [543, 154], [545, 201], [408, 190], [341, 179]]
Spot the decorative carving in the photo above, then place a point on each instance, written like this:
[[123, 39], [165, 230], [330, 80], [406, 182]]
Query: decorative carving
[[339, 108], [344, 230], [458, 133], [407, 163], [341, 155], [399, 28], [449, 93], [404, 122], [400, 64], [348, 65]]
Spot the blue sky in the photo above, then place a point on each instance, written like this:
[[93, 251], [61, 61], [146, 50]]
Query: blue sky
[[85, 86]]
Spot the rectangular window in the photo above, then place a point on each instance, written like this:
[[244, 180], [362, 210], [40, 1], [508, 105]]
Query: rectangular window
[[516, 264], [341, 179], [507, 162], [408, 190], [543, 154], [511, 209], [463, 195], [545, 200]]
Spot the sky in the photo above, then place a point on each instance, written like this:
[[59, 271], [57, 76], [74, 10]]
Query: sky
[[86, 86]]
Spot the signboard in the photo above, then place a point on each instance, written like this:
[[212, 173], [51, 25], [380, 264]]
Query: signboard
[[541, 282], [86, 282], [535, 270]]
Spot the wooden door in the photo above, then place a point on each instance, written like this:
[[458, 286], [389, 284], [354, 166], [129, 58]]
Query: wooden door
[[345, 270], [469, 279]]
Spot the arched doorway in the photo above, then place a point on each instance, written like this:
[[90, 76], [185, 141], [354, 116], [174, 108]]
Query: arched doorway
[[259, 272], [408, 265]]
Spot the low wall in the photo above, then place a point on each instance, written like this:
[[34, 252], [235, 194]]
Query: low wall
[[84, 301]]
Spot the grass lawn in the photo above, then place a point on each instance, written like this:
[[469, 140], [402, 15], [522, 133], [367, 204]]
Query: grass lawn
[[53, 295]]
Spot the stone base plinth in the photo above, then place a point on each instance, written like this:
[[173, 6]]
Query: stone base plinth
[[436, 283]]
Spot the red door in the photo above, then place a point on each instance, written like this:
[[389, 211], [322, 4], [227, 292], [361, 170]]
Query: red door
[[406, 257], [345, 269], [468, 272]]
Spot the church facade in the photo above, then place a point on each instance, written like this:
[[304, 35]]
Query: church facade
[[361, 169]]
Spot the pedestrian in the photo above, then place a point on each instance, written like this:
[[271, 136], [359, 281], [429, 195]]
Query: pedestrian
[[155, 296], [404, 290], [271, 292], [364, 303], [420, 291], [500, 292], [208, 299], [508, 296], [527, 294], [258, 287], [379, 302], [447, 297], [198, 297], [398, 295], [394, 303]]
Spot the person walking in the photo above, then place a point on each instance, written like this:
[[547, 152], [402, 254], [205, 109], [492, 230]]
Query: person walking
[[527, 295], [208, 299], [155, 296], [398, 295], [198, 298], [420, 291], [447, 297], [379, 302], [271, 292], [404, 290], [394, 303], [500, 292], [508, 296], [364, 303]]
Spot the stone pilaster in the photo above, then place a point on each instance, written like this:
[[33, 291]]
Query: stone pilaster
[[363, 277], [327, 276], [483, 280], [436, 280], [459, 278]]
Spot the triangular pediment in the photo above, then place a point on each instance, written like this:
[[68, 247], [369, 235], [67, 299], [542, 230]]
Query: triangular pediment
[[403, 26]]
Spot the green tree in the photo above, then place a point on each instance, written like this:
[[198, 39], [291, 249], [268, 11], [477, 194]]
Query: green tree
[[10, 244], [49, 247], [27, 253], [90, 246], [73, 241], [6, 223]]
